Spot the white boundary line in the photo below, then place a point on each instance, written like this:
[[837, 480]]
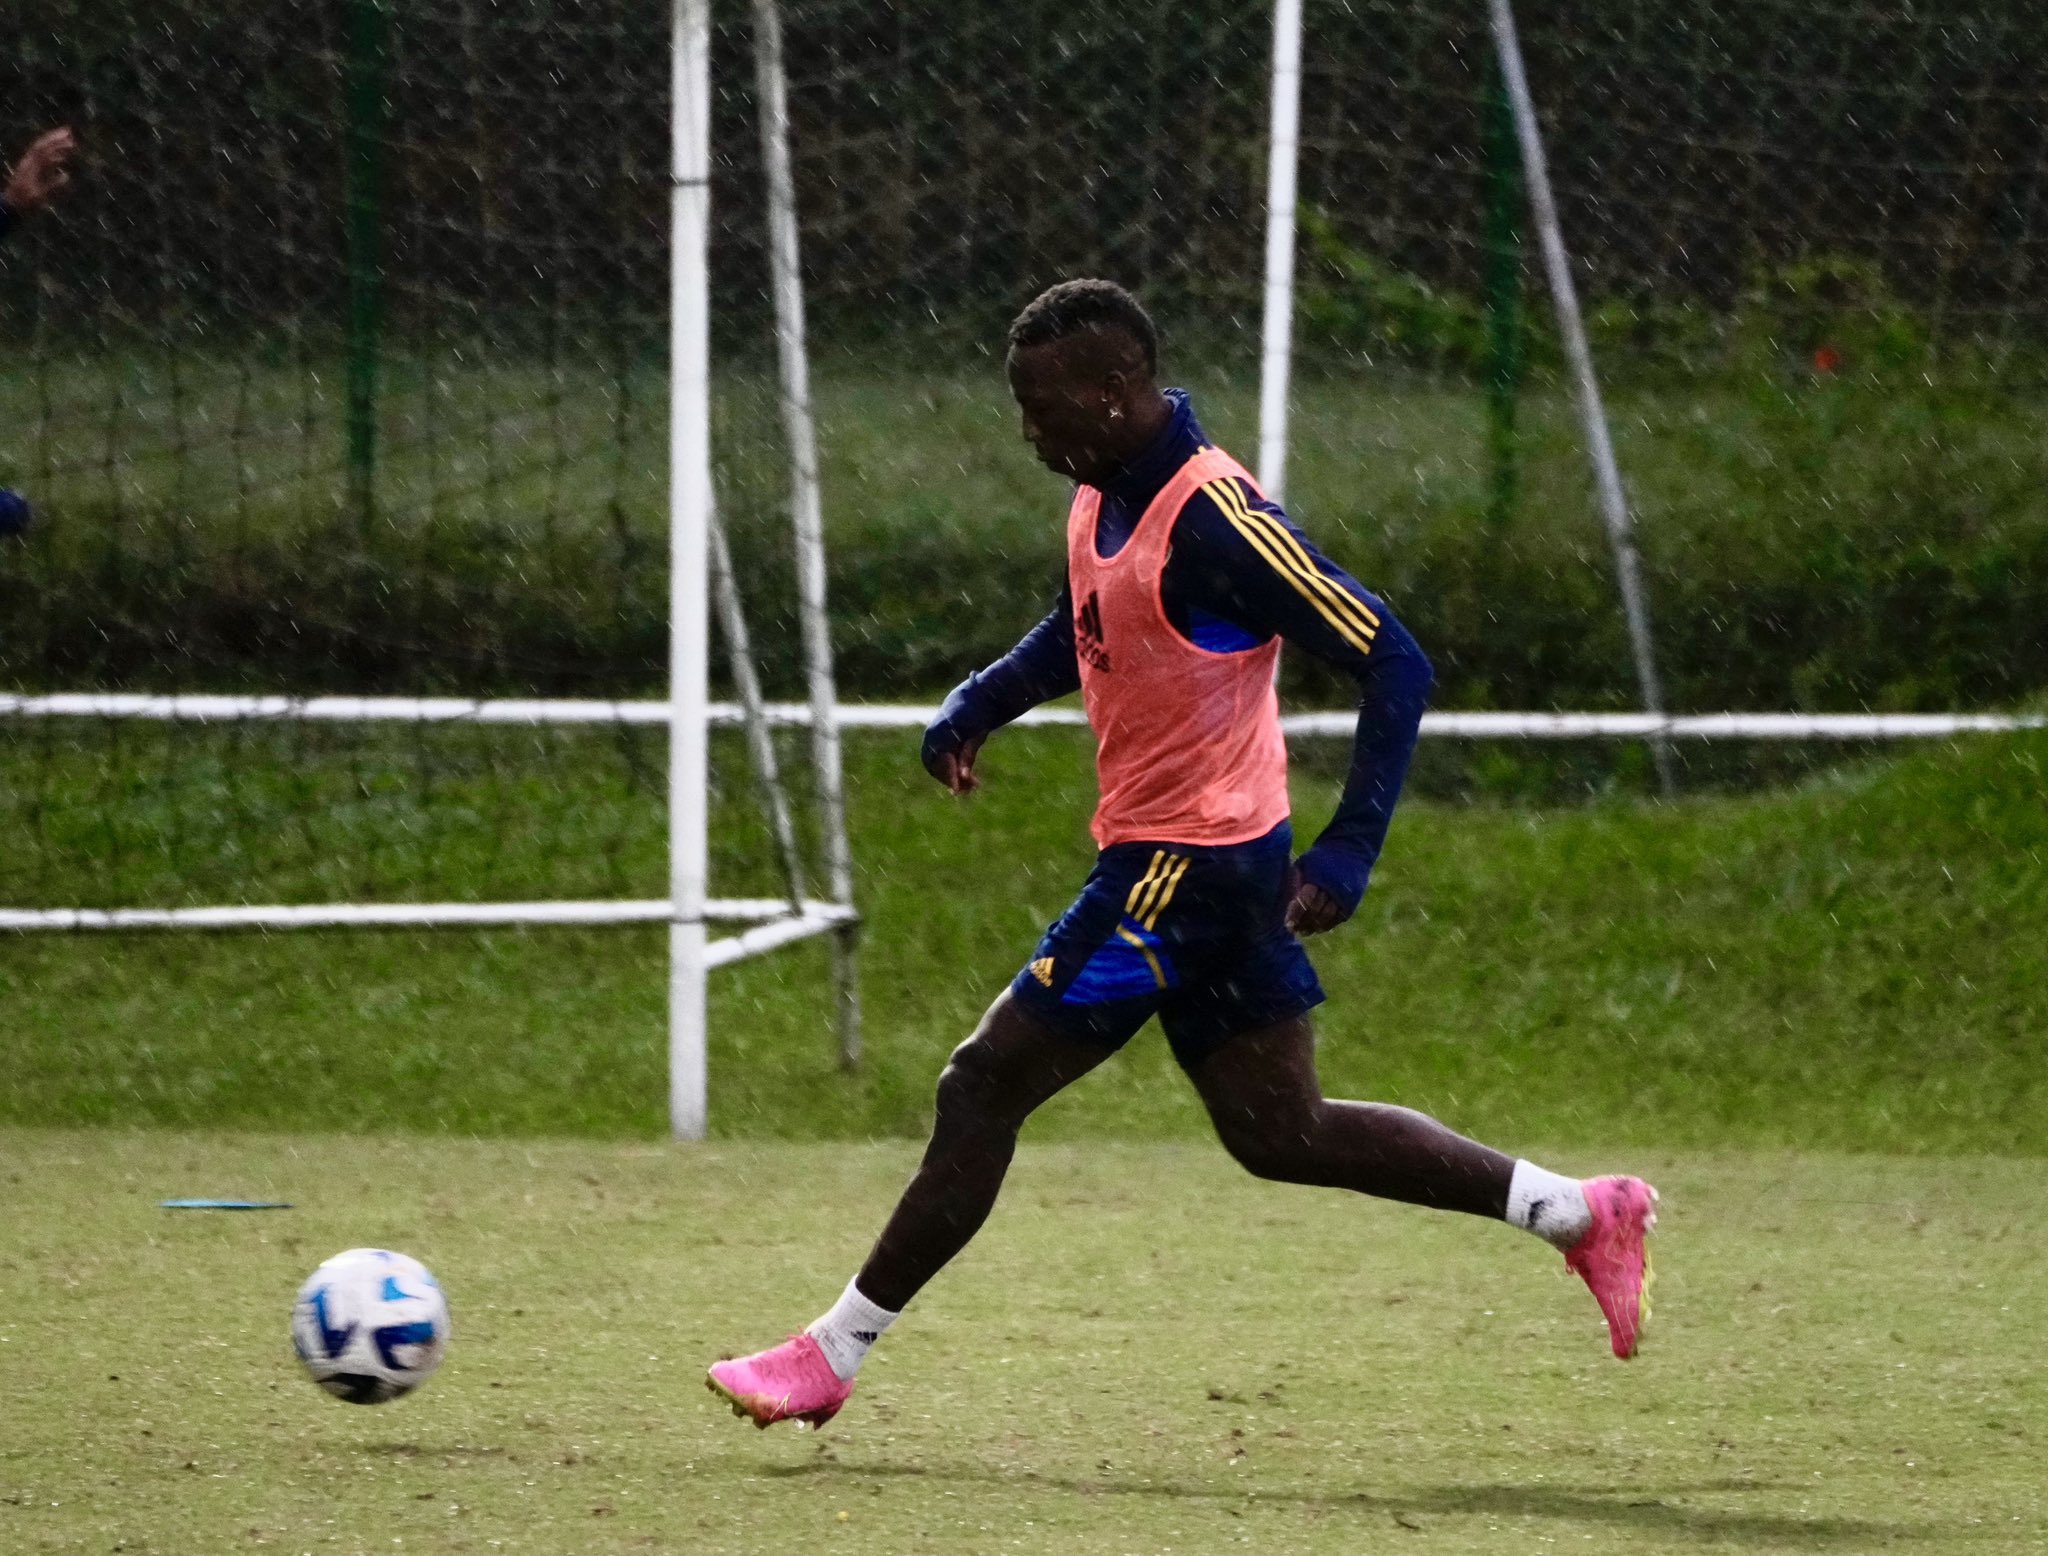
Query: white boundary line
[[535, 711]]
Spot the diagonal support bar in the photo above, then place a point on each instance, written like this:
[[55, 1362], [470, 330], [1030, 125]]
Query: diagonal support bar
[[754, 710], [806, 509], [1571, 327]]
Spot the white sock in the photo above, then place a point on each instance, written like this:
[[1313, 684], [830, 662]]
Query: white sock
[[1548, 1204], [845, 1333]]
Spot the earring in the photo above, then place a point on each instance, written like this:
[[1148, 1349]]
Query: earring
[[1116, 412]]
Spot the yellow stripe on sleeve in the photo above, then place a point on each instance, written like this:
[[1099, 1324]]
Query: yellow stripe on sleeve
[[1298, 563], [1304, 563], [1354, 632]]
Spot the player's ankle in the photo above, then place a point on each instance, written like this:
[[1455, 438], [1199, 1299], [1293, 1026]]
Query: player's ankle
[[1549, 1204], [848, 1329]]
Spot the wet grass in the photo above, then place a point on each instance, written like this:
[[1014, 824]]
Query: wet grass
[[1856, 962], [1146, 1351]]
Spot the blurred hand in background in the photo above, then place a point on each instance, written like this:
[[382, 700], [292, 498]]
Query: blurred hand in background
[[42, 173]]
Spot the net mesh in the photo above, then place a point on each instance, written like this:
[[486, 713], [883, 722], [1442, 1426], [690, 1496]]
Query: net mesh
[[342, 369]]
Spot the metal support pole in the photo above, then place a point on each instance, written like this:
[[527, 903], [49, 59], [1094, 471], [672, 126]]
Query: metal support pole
[[1277, 333], [1571, 327], [689, 522], [368, 73], [1504, 344], [746, 681], [805, 508]]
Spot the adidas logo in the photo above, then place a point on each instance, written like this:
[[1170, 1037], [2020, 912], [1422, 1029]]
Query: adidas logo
[[1042, 970], [1088, 633]]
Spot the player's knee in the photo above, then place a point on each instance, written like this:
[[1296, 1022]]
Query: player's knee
[[1262, 1151], [969, 1089], [1278, 1149]]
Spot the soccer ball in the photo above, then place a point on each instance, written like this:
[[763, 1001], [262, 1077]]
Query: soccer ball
[[370, 1325]]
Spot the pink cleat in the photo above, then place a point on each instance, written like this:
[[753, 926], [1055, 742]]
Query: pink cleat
[[1611, 1257], [789, 1382]]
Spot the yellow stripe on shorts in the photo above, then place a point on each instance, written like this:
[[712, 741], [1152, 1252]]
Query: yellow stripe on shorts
[[1131, 902], [1166, 892]]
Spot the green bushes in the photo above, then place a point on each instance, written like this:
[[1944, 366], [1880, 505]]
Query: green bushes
[[1811, 540]]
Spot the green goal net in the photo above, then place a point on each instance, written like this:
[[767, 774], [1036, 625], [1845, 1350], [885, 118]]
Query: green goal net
[[342, 370]]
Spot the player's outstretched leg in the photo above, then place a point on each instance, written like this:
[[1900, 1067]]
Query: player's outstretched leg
[[990, 1086], [1263, 1094]]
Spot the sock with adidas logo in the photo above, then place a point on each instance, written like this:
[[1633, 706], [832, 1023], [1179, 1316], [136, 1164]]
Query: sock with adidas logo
[[1548, 1204], [845, 1333]]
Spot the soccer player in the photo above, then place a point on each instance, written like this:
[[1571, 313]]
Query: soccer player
[[1182, 580], [37, 179]]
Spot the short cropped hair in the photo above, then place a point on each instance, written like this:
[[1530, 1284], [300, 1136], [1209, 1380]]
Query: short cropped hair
[[1071, 308]]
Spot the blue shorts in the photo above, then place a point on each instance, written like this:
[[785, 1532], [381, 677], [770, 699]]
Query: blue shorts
[[1196, 936]]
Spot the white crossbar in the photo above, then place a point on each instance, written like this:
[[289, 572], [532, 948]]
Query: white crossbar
[[767, 912], [1688, 726], [535, 711]]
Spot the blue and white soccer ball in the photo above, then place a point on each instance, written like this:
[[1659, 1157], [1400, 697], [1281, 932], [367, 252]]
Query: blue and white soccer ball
[[370, 1325]]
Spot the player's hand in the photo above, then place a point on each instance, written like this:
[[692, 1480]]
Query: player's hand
[[42, 173], [955, 768], [1313, 910]]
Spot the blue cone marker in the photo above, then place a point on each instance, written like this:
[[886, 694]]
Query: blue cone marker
[[15, 513]]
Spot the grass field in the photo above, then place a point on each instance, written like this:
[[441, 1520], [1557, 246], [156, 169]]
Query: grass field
[[1145, 1352], [1859, 962]]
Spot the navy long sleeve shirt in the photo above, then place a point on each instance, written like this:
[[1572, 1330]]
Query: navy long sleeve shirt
[[1228, 586]]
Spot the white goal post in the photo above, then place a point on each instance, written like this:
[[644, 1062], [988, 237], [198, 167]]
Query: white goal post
[[696, 544]]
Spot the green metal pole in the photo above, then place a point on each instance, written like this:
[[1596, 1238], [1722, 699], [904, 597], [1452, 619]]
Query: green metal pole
[[367, 107], [1505, 343]]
